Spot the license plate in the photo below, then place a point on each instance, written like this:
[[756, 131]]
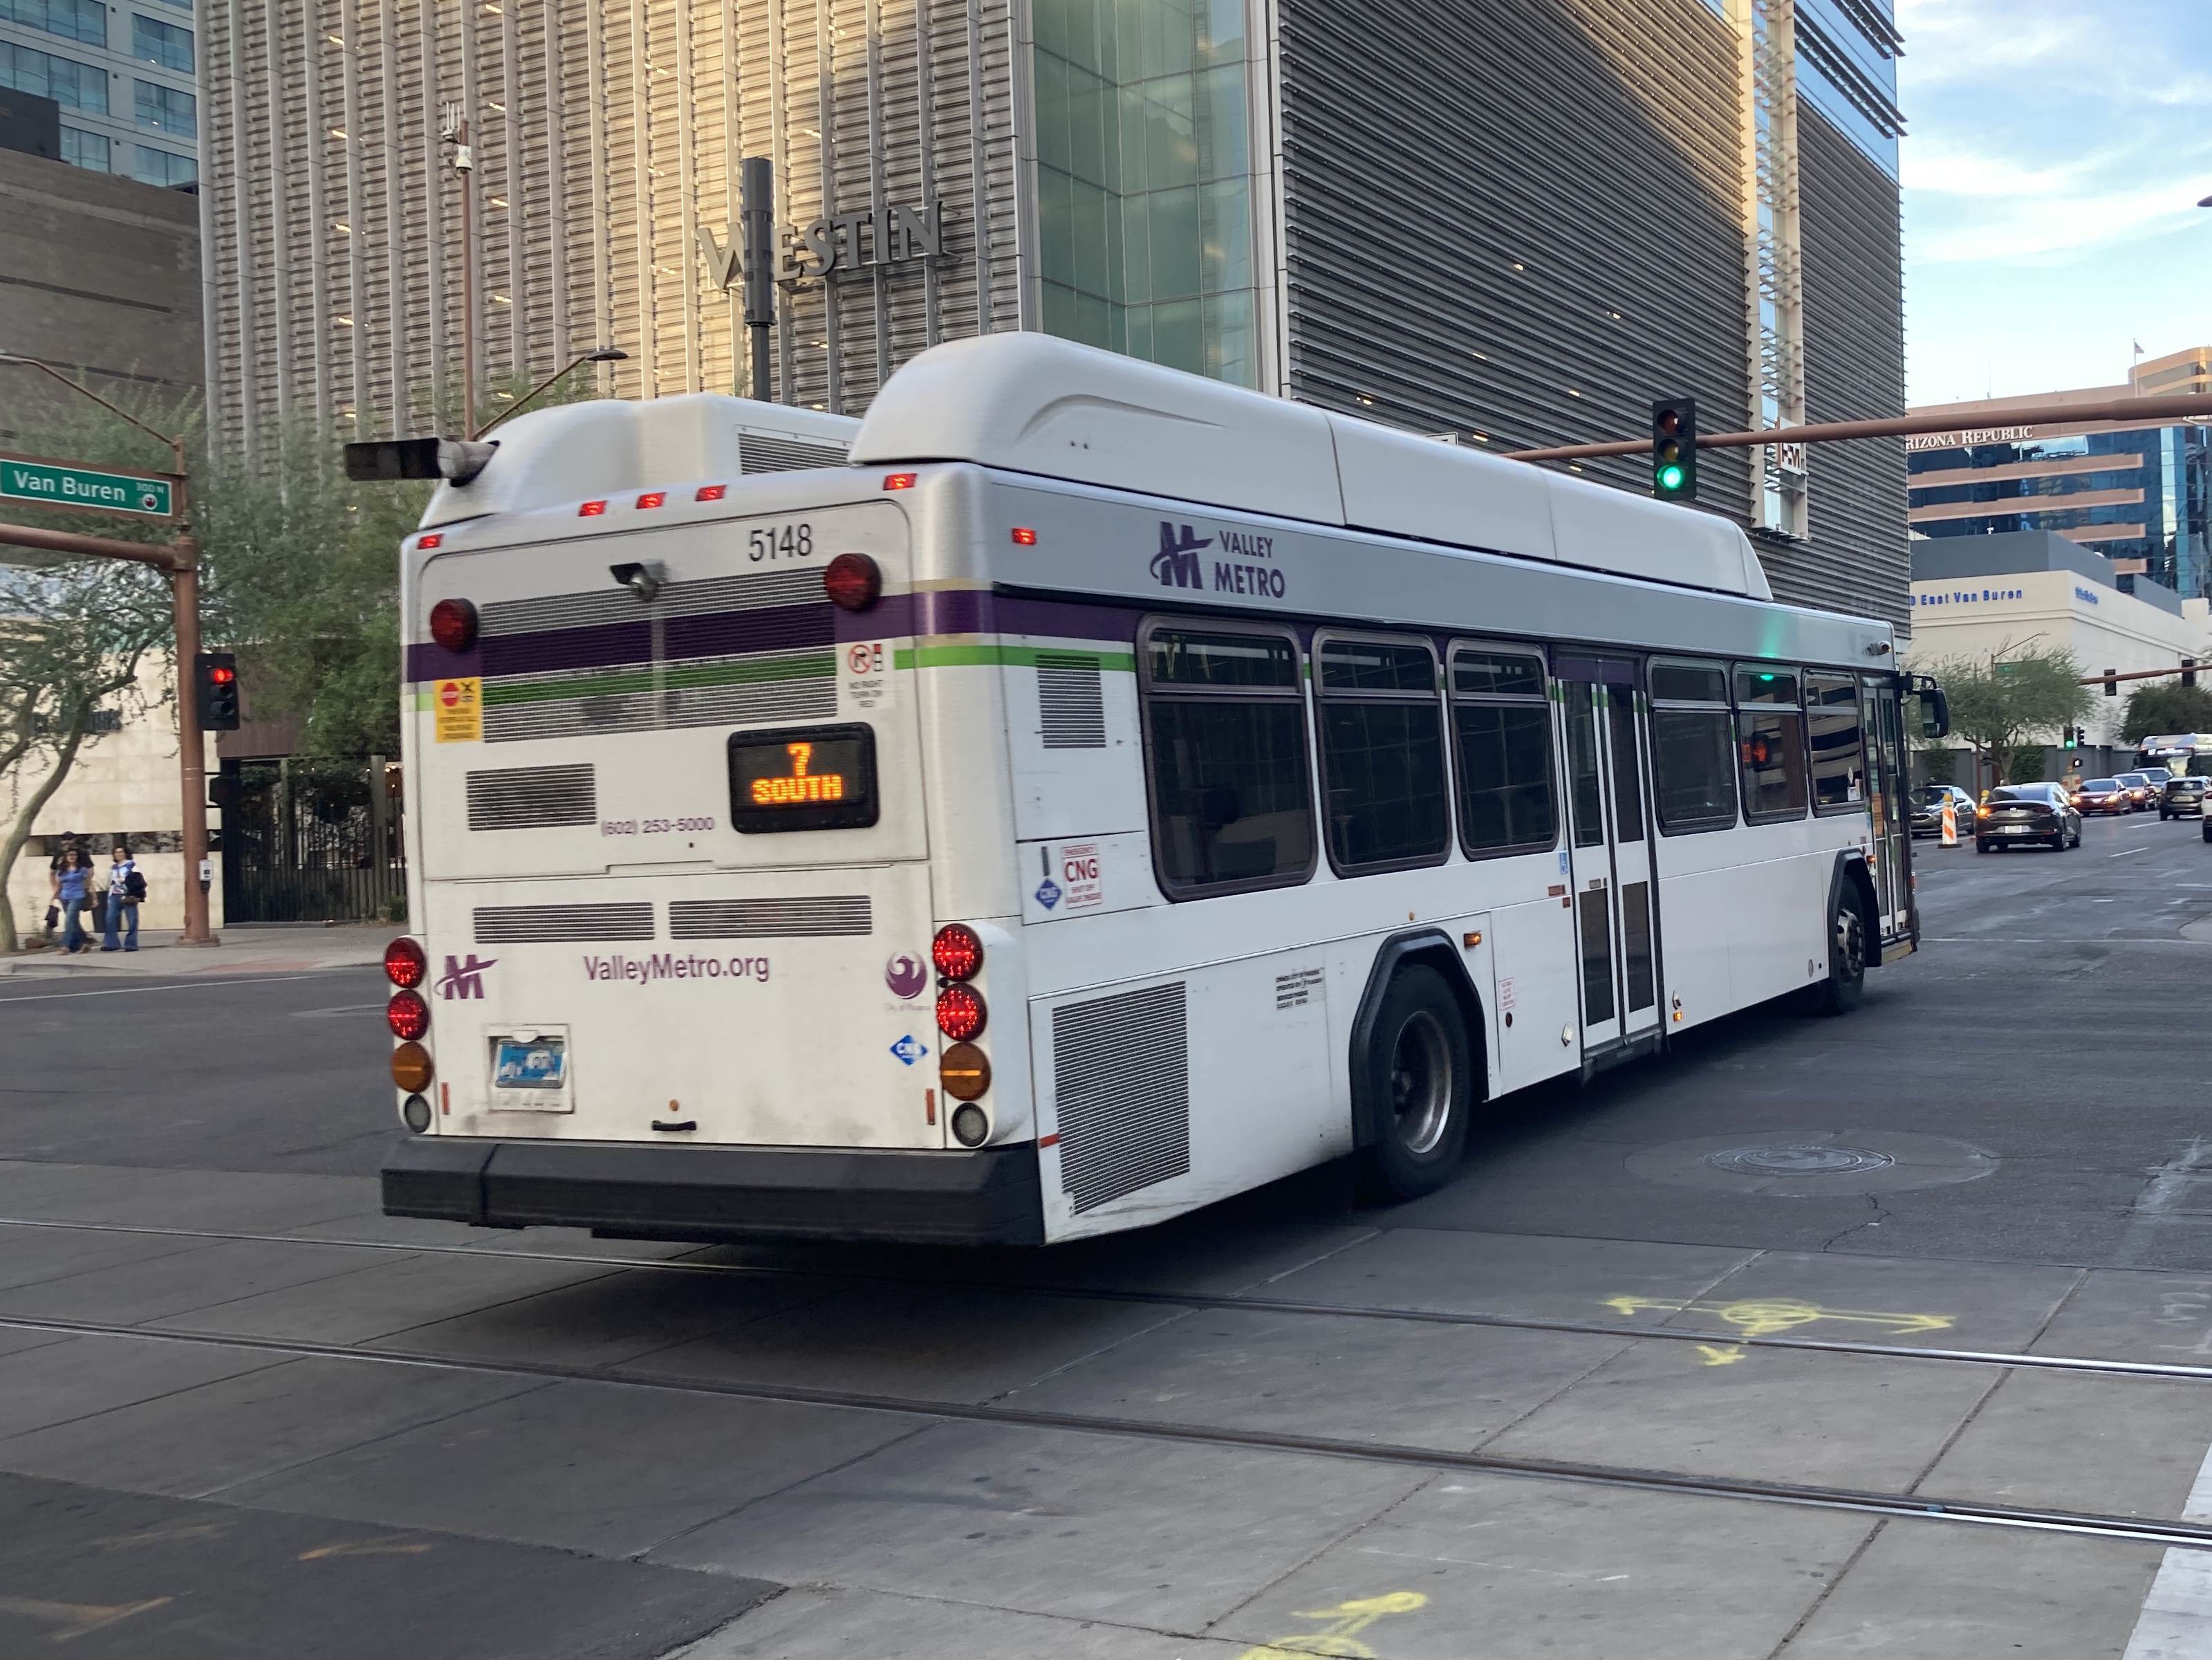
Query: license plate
[[538, 1065], [2012, 830]]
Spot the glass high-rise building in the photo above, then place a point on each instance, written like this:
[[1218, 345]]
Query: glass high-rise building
[[2140, 496], [125, 75], [1511, 225]]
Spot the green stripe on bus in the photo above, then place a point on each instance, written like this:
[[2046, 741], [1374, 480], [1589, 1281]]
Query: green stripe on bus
[[954, 657], [813, 665]]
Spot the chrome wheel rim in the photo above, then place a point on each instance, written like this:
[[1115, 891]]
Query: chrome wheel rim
[[1850, 943], [1421, 1084]]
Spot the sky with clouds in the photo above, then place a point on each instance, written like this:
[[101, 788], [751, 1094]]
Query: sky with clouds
[[2055, 153]]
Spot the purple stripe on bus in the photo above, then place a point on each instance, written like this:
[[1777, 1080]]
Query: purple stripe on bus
[[428, 660], [775, 628], [600, 646]]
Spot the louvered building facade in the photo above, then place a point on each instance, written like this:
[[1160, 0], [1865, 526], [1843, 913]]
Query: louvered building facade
[[1512, 224]]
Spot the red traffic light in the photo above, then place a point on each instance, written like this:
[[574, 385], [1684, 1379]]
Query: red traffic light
[[221, 674]]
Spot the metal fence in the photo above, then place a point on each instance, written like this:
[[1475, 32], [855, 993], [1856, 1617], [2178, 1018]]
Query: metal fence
[[313, 842]]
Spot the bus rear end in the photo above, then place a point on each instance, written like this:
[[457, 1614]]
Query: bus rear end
[[672, 913]]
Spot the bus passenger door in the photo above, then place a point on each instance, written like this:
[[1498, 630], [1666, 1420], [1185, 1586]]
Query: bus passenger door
[[1882, 721], [1611, 872]]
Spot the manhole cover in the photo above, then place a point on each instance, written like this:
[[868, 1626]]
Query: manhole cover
[[1799, 1158]]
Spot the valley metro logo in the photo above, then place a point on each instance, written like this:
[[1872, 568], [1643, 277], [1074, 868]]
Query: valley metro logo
[[464, 979], [1177, 562]]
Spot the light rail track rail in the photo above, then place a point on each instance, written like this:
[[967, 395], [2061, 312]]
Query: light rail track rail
[[2086, 1524], [1194, 1300]]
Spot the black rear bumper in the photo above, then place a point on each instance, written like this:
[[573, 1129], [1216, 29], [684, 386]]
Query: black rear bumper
[[712, 1192]]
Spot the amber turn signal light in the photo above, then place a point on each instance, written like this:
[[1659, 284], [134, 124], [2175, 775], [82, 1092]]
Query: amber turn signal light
[[411, 1069], [964, 1071]]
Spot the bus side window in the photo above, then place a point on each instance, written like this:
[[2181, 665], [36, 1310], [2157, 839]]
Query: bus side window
[[1502, 723], [1838, 761], [1692, 747], [1225, 759], [1771, 739], [1382, 753]]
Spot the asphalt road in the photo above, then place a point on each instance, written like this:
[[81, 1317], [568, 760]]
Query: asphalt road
[[1537, 1415]]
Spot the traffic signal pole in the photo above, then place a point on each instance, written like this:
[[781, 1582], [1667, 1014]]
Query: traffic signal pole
[[179, 558], [2133, 412]]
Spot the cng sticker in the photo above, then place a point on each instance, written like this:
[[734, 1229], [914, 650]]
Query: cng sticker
[[459, 706], [909, 1049]]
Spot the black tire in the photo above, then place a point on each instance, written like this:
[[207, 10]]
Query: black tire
[[1982, 847], [1420, 1078], [1844, 988]]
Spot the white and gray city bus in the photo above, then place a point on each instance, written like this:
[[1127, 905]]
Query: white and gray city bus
[[1103, 792]]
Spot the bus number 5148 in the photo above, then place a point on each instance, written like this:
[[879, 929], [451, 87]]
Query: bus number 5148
[[784, 542]]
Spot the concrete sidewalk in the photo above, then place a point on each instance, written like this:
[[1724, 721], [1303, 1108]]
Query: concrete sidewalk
[[262, 948]]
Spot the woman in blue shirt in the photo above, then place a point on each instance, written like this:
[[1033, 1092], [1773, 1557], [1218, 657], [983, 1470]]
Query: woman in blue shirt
[[76, 881]]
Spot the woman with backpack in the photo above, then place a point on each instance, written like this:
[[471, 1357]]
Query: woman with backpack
[[125, 888]]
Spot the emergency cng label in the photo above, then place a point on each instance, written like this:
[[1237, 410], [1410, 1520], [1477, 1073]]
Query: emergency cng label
[[457, 707], [1072, 877]]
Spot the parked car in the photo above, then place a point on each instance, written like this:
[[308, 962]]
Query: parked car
[[2182, 798], [1928, 810], [2141, 795], [2020, 814], [2101, 795]]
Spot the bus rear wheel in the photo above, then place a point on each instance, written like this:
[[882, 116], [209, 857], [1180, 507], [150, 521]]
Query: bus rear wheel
[[1421, 1076]]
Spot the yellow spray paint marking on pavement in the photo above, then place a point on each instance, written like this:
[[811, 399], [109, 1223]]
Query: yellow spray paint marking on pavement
[[366, 1548], [76, 1619], [1341, 1636], [1770, 1316]]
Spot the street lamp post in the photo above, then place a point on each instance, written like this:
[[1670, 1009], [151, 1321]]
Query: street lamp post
[[180, 559], [604, 355]]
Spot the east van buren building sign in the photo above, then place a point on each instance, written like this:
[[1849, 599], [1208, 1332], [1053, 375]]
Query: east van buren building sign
[[58, 485]]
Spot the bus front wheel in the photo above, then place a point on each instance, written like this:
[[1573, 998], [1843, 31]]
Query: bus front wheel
[[1845, 986], [1421, 1078]]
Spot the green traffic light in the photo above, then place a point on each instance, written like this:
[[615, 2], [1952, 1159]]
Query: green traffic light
[[1670, 478]]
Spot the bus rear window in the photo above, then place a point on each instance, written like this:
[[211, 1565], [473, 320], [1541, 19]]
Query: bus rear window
[[799, 779]]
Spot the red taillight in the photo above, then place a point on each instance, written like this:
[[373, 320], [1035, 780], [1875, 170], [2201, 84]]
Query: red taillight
[[454, 624], [711, 492], [652, 499], [592, 510], [1024, 538], [408, 1015], [429, 542], [853, 581], [405, 963], [959, 1012], [957, 950], [899, 481]]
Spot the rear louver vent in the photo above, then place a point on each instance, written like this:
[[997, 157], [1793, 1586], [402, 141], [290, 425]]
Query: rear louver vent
[[770, 919], [1121, 1071], [758, 454], [523, 925], [532, 797], [1072, 701]]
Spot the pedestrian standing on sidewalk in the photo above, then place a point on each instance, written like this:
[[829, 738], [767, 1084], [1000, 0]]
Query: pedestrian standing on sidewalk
[[72, 893], [125, 888]]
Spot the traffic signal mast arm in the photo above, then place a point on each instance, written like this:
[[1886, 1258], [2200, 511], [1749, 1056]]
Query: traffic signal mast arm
[[2131, 411]]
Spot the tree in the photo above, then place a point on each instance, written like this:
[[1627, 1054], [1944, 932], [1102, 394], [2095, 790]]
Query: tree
[[2163, 708], [73, 635], [1998, 702]]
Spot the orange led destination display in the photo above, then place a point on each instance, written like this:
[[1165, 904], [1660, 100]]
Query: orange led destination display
[[809, 778], [802, 785]]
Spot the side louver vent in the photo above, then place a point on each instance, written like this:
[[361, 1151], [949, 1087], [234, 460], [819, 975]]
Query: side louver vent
[[526, 925], [758, 454], [532, 797], [1072, 697], [1121, 1075], [771, 919]]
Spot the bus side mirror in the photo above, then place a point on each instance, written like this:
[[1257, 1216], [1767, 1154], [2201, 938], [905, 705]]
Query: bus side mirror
[[1935, 713]]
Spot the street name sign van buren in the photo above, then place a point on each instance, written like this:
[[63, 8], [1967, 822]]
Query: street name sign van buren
[[55, 485]]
